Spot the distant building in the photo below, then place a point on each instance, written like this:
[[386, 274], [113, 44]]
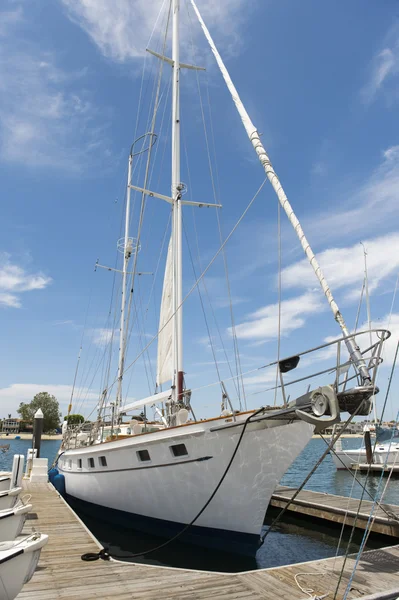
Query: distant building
[[11, 425]]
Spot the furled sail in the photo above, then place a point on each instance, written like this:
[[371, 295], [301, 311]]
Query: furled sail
[[165, 362]]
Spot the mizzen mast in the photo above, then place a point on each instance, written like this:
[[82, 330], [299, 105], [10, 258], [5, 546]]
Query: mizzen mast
[[125, 245], [254, 137]]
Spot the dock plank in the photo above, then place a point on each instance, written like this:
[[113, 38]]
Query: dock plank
[[62, 575]]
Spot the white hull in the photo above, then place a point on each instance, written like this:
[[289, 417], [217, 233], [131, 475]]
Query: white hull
[[5, 483], [18, 561], [12, 521], [174, 489], [8, 498]]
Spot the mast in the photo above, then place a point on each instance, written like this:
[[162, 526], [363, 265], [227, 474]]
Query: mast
[[254, 137], [177, 343], [127, 248]]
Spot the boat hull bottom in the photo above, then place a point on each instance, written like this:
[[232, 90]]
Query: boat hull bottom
[[207, 537]]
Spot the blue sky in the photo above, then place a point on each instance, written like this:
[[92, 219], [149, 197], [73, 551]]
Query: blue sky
[[320, 81]]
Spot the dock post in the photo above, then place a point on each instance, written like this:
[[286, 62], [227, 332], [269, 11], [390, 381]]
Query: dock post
[[369, 450], [37, 431]]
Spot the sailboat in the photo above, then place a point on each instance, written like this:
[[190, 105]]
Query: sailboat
[[208, 480]]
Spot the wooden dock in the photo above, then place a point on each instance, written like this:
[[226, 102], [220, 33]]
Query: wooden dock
[[339, 509], [61, 573]]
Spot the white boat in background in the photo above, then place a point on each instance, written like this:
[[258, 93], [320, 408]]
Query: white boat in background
[[385, 451], [8, 498], [215, 475], [18, 561], [12, 521]]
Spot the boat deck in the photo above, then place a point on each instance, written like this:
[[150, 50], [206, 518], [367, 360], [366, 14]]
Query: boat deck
[[61, 574], [385, 520]]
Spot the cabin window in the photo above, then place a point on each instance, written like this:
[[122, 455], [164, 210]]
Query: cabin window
[[91, 463], [79, 463], [143, 455], [69, 464], [103, 461], [179, 450]]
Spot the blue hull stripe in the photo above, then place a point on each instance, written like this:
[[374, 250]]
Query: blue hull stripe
[[208, 537]]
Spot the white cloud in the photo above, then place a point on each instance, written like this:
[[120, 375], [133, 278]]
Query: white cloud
[[372, 203], [102, 336], [44, 119], [121, 29], [263, 324], [15, 280], [344, 267], [384, 65]]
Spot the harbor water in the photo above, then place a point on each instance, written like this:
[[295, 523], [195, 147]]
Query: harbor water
[[289, 543]]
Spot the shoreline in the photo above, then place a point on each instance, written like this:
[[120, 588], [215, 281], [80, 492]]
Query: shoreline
[[28, 436]]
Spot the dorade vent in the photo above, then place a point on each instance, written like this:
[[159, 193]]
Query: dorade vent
[[91, 463], [179, 450], [143, 455], [79, 463], [103, 461]]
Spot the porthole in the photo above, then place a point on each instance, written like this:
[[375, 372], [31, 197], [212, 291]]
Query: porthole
[[179, 450], [143, 455]]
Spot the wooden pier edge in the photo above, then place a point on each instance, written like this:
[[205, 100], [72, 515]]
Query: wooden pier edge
[[61, 574], [339, 509]]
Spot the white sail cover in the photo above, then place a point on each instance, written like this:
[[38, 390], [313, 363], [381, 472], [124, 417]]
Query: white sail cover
[[155, 399], [165, 362]]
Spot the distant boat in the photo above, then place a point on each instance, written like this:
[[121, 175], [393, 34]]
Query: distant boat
[[386, 451]]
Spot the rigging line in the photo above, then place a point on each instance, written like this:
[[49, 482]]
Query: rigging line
[[146, 177], [154, 162], [365, 536], [142, 334], [237, 388], [389, 383], [110, 306], [233, 327], [388, 513], [359, 505], [80, 349], [203, 273], [202, 307], [332, 572], [140, 108], [383, 495], [97, 357], [279, 300], [144, 65], [359, 307], [309, 475]]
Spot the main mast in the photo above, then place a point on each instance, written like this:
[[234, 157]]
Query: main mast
[[177, 343]]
